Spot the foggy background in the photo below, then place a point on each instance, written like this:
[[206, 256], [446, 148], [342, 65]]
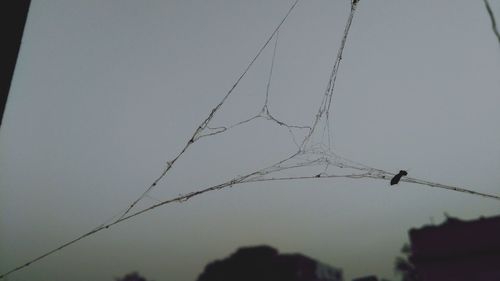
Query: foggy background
[[105, 92]]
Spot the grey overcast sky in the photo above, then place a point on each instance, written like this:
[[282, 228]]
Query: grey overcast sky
[[106, 91]]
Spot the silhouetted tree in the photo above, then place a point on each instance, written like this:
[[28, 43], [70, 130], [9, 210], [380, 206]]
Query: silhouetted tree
[[264, 263], [404, 266]]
